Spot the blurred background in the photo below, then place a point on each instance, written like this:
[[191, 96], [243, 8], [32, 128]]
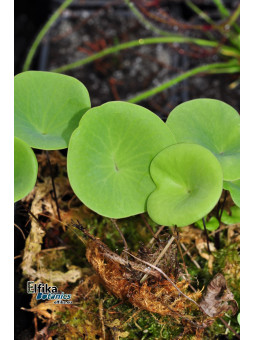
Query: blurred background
[[194, 54]]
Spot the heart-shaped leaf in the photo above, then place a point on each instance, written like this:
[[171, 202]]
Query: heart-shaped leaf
[[109, 157], [47, 108], [212, 124], [234, 189], [189, 184], [25, 169]]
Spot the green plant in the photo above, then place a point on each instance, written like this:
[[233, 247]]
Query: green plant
[[47, 108], [122, 159], [212, 124], [25, 169], [225, 43], [109, 157]]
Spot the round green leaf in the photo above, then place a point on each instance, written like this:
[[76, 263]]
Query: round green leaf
[[25, 169], [47, 108], [189, 184], [212, 124], [109, 156], [234, 189]]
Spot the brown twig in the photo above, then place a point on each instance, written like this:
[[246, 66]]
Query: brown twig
[[20, 230], [121, 234], [189, 254], [229, 327], [206, 234], [156, 235], [177, 240], [149, 227]]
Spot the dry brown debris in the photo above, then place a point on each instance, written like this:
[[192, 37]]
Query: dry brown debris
[[216, 300]]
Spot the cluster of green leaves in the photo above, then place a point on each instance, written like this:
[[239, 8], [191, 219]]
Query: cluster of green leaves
[[124, 160]]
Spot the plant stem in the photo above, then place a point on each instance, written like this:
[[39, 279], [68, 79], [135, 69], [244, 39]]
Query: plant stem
[[177, 240], [219, 213], [149, 227], [223, 205], [200, 13], [209, 68], [222, 9], [206, 234], [53, 184], [229, 327], [156, 235], [121, 234], [225, 50], [146, 23], [42, 33]]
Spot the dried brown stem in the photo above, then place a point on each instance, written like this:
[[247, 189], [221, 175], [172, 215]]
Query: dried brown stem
[[121, 234], [189, 254], [229, 327], [20, 230]]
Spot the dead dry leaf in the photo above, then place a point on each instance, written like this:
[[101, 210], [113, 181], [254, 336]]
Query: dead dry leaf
[[218, 299]]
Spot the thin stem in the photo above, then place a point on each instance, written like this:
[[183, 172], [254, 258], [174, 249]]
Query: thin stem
[[156, 235], [43, 32], [149, 227], [223, 205], [200, 13], [177, 240], [206, 234], [219, 213], [159, 257], [222, 9], [209, 68], [121, 234], [20, 231], [189, 254], [53, 184], [223, 49], [31, 214], [229, 327], [146, 23]]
